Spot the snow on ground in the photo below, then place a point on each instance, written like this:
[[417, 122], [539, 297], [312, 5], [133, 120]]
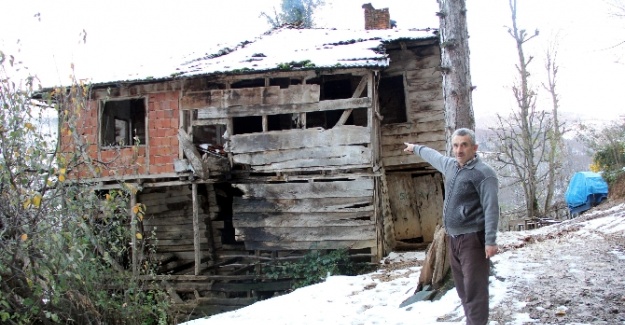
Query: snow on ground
[[555, 274]]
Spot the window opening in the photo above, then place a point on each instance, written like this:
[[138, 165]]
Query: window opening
[[282, 122], [392, 100], [336, 89], [282, 82], [358, 117], [249, 83], [247, 124], [209, 138], [123, 122]]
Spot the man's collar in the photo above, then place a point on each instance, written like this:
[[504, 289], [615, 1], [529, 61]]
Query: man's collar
[[468, 163]]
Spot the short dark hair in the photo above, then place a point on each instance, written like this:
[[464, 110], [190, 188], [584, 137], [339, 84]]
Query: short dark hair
[[464, 132]]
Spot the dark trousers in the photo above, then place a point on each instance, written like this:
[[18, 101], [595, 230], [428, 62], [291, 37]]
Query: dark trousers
[[470, 269]]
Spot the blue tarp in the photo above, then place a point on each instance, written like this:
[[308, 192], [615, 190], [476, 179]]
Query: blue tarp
[[583, 185]]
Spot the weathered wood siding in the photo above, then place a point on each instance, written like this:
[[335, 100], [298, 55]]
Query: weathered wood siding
[[403, 200], [416, 202], [301, 149], [428, 190], [213, 100], [169, 215], [306, 215], [425, 113], [298, 149]]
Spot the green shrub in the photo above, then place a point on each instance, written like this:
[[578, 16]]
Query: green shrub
[[315, 266], [63, 248]]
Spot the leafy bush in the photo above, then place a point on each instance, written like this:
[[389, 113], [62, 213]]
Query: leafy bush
[[608, 146], [63, 248], [314, 267]]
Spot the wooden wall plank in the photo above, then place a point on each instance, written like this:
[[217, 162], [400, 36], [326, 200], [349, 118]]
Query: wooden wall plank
[[403, 206], [284, 235], [304, 245], [272, 95], [412, 137], [298, 139], [429, 198], [347, 216], [277, 160], [336, 189], [425, 95], [287, 108], [431, 84], [420, 67], [311, 205], [413, 129], [416, 107], [302, 220]]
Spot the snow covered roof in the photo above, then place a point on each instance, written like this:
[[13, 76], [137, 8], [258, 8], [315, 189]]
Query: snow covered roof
[[289, 48], [285, 49]]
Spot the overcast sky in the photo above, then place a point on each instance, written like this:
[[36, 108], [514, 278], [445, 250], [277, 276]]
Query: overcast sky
[[124, 35]]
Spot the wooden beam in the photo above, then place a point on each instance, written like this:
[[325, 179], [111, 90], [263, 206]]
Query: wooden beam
[[291, 159], [299, 139], [133, 230], [200, 169], [305, 245], [361, 87], [260, 110], [337, 189], [196, 229], [210, 225], [213, 121]]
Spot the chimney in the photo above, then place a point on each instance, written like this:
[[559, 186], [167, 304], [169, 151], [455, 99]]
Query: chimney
[[376, 18]]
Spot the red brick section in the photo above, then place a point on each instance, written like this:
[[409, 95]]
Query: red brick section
[[376, 18], [162, 141], [163, 125]]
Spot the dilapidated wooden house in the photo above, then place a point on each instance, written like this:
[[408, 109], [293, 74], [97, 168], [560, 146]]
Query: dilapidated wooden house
[[288, 143]]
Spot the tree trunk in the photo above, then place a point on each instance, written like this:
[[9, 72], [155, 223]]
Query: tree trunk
[[458, 114], [455, 67], [556, 136]]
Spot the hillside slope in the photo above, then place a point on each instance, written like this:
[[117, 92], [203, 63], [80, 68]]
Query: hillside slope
[[573, 272]]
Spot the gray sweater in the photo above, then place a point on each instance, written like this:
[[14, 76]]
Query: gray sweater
[[471, 194]]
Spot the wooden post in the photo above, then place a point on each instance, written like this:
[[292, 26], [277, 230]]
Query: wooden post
[[361, 87], [196, 229], [133, 230]]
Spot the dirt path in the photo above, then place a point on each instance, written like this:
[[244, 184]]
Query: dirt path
[[565, 275]]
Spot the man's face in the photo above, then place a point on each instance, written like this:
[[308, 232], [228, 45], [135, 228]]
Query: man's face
[[464, 150]]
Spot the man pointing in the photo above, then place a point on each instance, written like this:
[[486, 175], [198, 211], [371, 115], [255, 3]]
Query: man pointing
[[470, 217]]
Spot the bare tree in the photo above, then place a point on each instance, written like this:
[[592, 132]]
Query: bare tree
[[555, 154], [524, 133]]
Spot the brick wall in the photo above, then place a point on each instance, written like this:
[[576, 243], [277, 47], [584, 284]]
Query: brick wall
[[156, 156], [376, 18], [163, 125]]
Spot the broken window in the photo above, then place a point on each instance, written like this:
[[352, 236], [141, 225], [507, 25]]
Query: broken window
[[122, 122], [332, 87], [282, 122], [209, 134], [248, 83], [247, 124], [392, 100], [328, 119]]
